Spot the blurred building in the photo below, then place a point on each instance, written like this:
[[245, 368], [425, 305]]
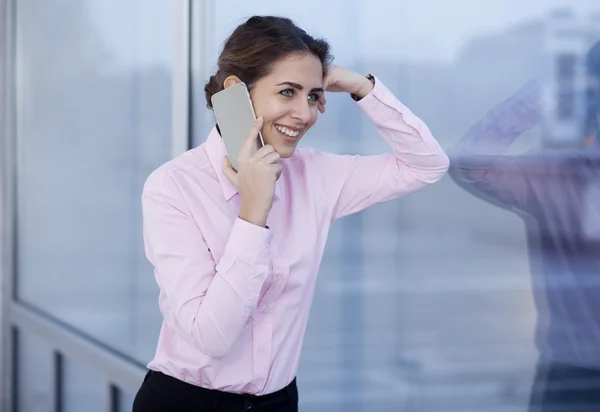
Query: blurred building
[[568, 37]]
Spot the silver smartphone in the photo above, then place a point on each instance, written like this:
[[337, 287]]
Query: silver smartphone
[[235, 116]]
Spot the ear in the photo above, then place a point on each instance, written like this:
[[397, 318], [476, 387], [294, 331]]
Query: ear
[[230, 81]]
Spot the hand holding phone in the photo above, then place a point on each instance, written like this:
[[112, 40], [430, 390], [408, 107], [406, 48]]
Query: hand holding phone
[[258, 171]]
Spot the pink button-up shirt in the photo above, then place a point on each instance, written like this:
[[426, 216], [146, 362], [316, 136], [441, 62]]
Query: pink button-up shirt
[[236, 297]]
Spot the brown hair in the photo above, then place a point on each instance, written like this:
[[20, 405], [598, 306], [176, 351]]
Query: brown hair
[[254, 46]]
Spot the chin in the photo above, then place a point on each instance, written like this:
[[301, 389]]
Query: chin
[[285, 151]]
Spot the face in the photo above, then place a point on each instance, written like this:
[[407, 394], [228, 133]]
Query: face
[[287, 98]]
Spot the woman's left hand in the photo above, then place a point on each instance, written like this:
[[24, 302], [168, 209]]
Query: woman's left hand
[[340, 79]]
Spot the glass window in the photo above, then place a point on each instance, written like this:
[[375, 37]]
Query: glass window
[[126, 401], [93, 120], [82, 389], [426, 302], [35, 372], [566, 72]]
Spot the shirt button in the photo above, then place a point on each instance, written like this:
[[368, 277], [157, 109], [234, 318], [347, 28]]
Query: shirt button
[[262, 349]]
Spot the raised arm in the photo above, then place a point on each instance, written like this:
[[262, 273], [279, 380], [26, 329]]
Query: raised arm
[[353, 183], [479, 163]]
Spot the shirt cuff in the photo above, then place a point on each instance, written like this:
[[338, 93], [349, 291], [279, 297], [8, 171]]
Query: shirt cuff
[[249, 242], [380, 106]]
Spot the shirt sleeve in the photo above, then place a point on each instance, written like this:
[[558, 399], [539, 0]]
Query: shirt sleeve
[[207, 302], [479, 164], [352, 182]]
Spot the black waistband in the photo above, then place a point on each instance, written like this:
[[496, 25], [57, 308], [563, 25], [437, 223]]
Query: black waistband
[[172, 388]]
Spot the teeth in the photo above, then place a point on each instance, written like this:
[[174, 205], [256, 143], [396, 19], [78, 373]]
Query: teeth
[[287, 131]]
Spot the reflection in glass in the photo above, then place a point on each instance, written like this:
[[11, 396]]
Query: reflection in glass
[[557, 194]]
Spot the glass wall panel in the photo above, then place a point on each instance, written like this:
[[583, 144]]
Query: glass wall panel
[[434, 301], [93, 120]]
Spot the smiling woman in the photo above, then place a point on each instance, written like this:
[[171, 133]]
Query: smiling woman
[[267, 64], [289, 108], [236, 254]]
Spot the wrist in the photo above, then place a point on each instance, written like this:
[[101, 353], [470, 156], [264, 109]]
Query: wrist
[[365, 86], [366, 89], [254, 215]]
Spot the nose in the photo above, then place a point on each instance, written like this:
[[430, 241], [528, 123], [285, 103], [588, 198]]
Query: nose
[[302, 111]]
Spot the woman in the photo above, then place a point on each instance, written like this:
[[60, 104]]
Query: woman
[[236, 254]]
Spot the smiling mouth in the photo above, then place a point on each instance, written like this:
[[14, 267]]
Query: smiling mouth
[[291, 133]]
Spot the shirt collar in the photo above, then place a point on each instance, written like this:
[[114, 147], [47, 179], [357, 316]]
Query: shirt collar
[[215, 149]]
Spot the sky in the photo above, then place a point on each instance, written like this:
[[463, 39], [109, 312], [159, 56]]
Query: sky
[[423, 30]]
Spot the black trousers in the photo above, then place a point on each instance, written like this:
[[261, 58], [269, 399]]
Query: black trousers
[[163, 393], [565, 388]]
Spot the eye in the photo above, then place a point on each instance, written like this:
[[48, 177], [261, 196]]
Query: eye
[[313, 97], [287, 92]]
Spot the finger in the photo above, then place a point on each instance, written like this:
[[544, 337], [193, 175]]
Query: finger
[[272, 158], [249, 144], [229, 172], [263, 151], [321, 104], [277, 169]]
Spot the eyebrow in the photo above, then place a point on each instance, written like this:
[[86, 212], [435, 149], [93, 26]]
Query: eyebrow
[[300, 87]]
